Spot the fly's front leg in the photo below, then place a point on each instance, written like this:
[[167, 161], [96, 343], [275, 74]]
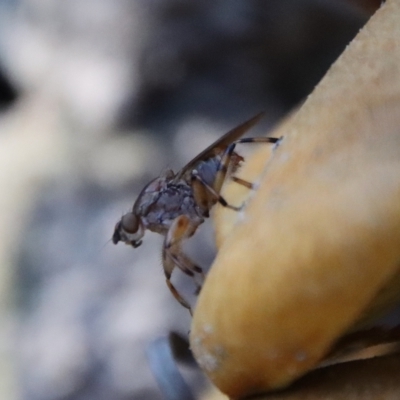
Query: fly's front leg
[[181, 228], [169, 265]]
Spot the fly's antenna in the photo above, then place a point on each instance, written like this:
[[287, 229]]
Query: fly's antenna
[[104, 245]]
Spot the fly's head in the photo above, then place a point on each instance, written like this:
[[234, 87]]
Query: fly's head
[[129, 230]]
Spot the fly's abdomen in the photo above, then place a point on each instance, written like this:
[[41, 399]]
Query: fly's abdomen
[[207, 170]]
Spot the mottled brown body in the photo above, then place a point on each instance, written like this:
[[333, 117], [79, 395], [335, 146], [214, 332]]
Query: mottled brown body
[[174, 205]]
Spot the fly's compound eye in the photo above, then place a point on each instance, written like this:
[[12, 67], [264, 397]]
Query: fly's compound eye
[[132, 228], [129, 230], [130, 223]]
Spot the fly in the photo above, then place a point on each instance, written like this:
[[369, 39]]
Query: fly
[[175, 204]]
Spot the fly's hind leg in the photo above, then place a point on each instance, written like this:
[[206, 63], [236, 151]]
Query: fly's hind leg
[[172, 255], [244, 183], [213, 192], [226, 158], [222, 170]]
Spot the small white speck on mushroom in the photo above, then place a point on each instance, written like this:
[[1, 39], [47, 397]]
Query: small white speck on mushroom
[[301, 355], [240, 216], [208, 328], [292, 370], [256, 184], [272, 354], [208, 362], [284, 157]]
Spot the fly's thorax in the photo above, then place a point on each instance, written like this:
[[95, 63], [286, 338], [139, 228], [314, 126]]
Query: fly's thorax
[[173, 200], [149, 195]]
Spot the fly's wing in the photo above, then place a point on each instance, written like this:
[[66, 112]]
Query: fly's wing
[[221, 144]]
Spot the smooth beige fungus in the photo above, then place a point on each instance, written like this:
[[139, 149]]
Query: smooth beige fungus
[[320, 237]]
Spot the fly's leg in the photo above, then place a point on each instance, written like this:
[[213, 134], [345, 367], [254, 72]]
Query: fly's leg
[[172, 255], [186, 265], [169, 265], [198, 183], [178, 297], [226, 158], [244, 183], [182, 228], [213, 192]]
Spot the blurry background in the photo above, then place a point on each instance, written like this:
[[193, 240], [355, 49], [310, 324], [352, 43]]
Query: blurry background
[[96, 98]]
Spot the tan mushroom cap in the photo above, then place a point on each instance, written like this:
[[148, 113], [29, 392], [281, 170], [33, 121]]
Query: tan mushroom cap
[[320, 238]]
